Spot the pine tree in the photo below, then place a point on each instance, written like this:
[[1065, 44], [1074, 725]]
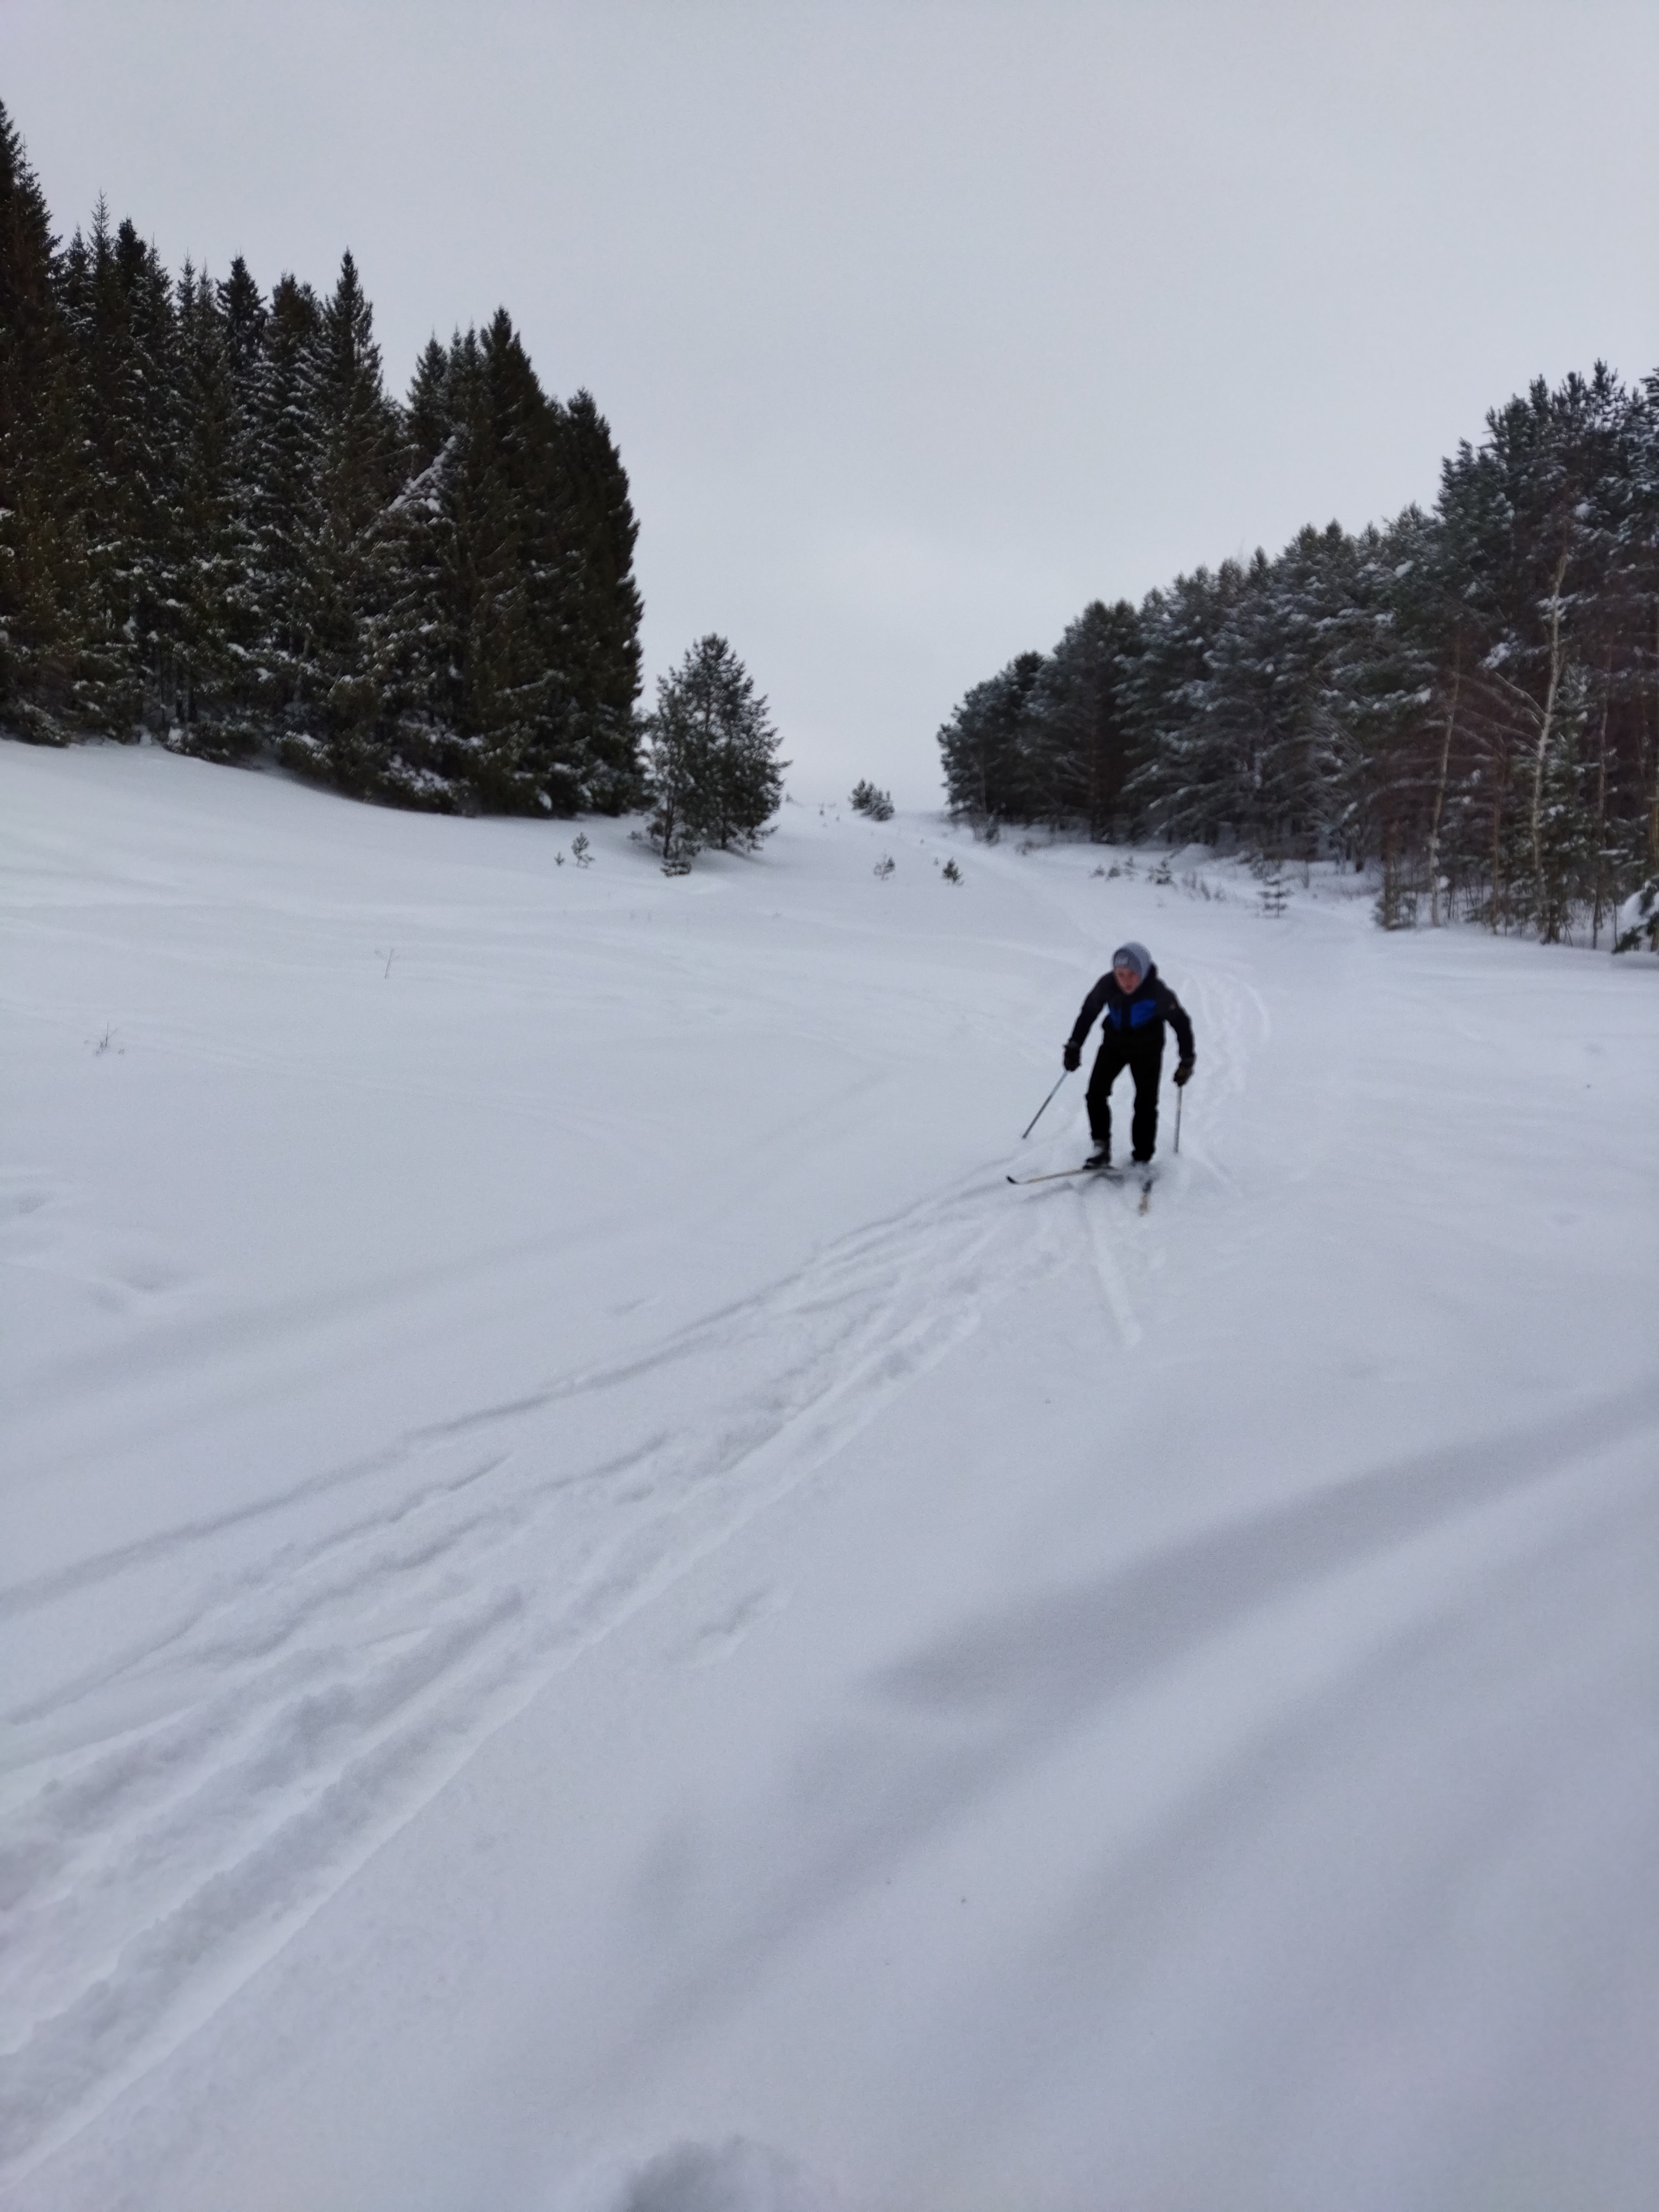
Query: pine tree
[[1565, 842], [1473, 693], [1187, 785], [715, 776], [1078, 709], [1533, 516], [992, 768], [1318, 609]]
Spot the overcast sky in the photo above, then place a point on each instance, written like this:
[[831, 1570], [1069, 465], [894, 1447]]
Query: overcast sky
[[918, 326]]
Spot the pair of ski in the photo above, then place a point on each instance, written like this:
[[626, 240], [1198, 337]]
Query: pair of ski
[[1146, 1176]]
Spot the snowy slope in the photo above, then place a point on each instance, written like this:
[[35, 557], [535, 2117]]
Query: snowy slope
[[596, 1614]]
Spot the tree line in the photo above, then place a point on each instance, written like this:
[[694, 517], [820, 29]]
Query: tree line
[[1469, 695], [215, 525]]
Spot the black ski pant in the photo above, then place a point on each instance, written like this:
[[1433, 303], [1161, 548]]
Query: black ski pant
[[1145, 1064]]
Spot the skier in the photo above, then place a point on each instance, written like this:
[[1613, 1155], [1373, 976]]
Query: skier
[[1137, 1004]]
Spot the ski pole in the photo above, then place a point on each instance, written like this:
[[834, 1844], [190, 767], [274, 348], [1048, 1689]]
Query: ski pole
[[1181, 1092], [1037, 1116]]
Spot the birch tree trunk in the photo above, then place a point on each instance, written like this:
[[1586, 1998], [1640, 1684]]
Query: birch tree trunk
[[1600, 820], [1547, 726], [1440, 792], [1497, 906]]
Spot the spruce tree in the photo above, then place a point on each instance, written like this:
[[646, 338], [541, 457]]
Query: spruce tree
[[414, 645], [214, 522], [601, 611], [44, 571], [119, 307], [466, 683], [277, 484], [206, 554], [353, 435], [510, 664], [428, 412], [243, 318], [517, 710]]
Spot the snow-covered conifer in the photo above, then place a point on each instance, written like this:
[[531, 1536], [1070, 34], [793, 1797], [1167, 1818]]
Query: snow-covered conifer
[[205, 554], [44, 570], [714, 776], [1082, 733], [600, 610], [989, 744], [277, 475]]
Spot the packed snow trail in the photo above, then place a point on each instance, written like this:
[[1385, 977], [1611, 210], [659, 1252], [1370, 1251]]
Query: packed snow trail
[[214, 1781], [593, 1605]]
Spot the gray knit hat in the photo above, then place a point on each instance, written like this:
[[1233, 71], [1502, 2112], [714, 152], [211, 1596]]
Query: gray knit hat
[[1133, 956]]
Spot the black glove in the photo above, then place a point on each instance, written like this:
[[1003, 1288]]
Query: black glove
[[1072, 1057], [1183, 1074]]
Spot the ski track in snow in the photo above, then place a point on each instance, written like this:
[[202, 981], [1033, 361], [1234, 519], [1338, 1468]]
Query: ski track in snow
[[315, 1664], [214, 1786], [1126, 1247]]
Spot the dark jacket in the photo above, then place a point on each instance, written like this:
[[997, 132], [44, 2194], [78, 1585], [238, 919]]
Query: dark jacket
[[1136, 1017]]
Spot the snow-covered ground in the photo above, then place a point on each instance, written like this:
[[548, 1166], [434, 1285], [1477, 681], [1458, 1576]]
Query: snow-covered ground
[[596, 1614]]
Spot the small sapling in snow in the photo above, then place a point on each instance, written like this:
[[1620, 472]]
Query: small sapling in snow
[[951, 874], [867, 800], [884, 867], [580, 851]]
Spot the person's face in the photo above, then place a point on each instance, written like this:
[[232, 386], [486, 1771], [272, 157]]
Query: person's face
[[1128, 979]]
